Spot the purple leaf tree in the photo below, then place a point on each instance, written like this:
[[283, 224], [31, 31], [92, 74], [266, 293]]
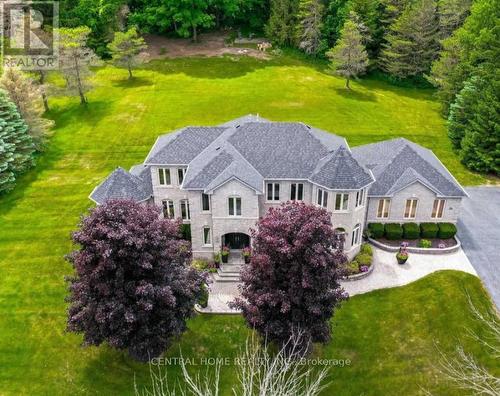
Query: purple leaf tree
[[133, 287], [291, 284]]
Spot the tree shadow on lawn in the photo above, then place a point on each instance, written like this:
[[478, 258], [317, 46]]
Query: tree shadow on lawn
[[63, 115], [355, 95], [134, 82], [213, 67]]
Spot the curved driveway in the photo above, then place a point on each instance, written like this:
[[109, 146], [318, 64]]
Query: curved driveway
[[479, 232]]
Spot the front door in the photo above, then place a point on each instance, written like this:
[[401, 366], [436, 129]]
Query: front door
[[236, 240]]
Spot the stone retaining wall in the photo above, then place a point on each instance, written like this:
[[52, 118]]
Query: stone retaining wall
[[395, 249]]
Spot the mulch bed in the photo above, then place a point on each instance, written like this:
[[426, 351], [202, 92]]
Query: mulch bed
[[414, 242]]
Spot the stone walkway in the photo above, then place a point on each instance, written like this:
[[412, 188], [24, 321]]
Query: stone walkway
[[387, 273]]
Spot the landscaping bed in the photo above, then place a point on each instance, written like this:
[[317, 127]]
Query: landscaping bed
[[416, 243], [361, 265], [433, 238]]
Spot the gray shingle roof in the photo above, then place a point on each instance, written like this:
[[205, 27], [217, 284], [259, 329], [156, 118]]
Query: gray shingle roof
[[252, 149], [121, 185], [398, 163], [183, 146], [279, 149], [339, 170]]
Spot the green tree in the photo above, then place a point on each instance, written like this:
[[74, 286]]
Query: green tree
[[349, 58], [472, 46], [76, 59], [126, 48], [452, 14], [27, 97], [282, 23], [412, 45], [16, 145], [189, 15], [474, 123], [102, 17], [309, 28], [336, 13]]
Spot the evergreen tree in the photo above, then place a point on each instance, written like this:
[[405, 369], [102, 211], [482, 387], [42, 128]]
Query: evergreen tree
[[27, 96], [282, 22], [349, 58], [472, 46], [76, 59], [336, 13], [310, 25], [125, 49], [16, 145], [412, 45], [452, 14], [474, 123]]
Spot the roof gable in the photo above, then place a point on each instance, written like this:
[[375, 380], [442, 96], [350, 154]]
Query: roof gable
[[184, 146]]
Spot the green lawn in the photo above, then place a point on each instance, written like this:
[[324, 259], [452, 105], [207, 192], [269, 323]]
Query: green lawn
[[118, 127]]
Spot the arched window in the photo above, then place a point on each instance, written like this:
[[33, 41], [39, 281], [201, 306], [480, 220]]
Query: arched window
[[356, 235]]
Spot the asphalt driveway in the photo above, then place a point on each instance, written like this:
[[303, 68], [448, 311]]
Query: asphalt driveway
[[479, 232]]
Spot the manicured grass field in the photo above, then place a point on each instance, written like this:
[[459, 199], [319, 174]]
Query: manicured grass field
[[389, 335]]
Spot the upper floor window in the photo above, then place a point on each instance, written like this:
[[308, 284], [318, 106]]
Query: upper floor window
[[181, 172], [273, 191], [205, 202], [438, 208], [360, 196], [383, 208], [185, 212], [341, 201], [410, 209], [356, 235], [168, 209], [296, 192], [322, 198], [207, 236], [234, 206], [164, 177]]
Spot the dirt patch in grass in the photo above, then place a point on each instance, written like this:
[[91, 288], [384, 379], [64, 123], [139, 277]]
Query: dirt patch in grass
[[209, 44]]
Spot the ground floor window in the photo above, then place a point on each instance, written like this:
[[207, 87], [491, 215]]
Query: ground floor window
[[356, 235], [383, 208], [410, 209], [207, 236], [438, 208], [185, 212], [168, 209]]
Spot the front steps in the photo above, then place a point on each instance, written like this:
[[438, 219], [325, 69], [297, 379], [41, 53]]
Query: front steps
[[230, 271]]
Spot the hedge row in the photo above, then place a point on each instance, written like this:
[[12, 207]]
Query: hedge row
[[396, 231]]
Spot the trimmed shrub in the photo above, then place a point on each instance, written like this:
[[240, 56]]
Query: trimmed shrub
[[364, 259], [393, 231], [411, 231], [203, 299], [429, 230], [366, 248], [447, 230], [186, 232], [425, 243], [376, 230], [352, 268]]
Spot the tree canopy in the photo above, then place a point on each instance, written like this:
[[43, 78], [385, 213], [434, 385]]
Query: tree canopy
[[133, 288], [291, 283]]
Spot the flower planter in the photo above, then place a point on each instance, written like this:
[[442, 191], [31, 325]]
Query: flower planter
[[401, 261], [247, 259], [224, 258]]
